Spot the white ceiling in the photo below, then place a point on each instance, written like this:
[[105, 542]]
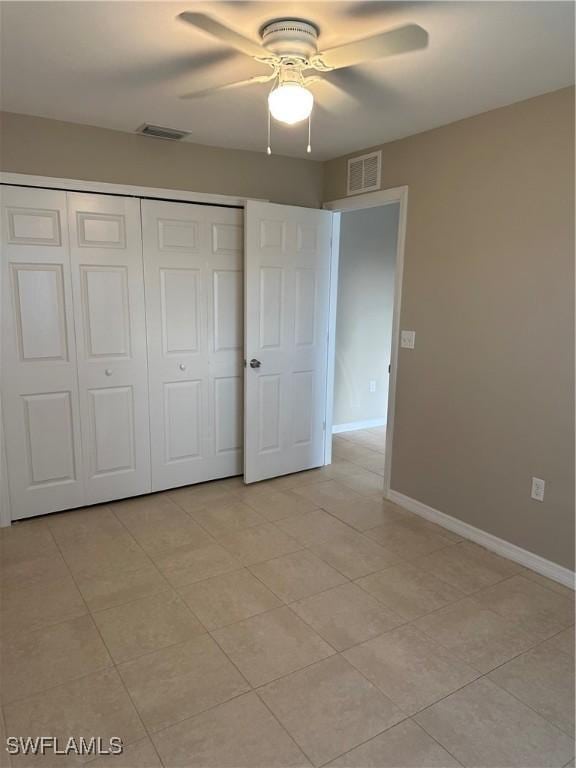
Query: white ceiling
[[120, 64]]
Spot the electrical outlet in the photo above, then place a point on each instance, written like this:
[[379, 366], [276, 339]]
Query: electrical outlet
[[407, 339], [538, 488], [372, 385]]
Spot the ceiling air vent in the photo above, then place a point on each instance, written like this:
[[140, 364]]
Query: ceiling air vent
[[364, 173], [161, 133]]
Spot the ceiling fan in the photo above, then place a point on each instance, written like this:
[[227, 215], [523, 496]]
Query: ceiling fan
[[289, 47]]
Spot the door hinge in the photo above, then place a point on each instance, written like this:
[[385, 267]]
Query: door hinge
[[324, 426]]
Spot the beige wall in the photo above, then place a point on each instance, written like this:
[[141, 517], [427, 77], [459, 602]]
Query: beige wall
[[485, 400], [43, 147], [364, 316]]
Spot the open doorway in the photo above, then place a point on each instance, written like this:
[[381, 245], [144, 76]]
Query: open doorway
[[367, 260]]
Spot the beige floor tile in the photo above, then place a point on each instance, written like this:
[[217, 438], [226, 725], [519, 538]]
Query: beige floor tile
[[192, 497], [544, 680], [263, 542], [103, 554], [365, 514], [35, 570], [174, 683], [187, 565], [114, 587], [229, 598], [338, 469], [329, 708], [297, 575], [564, 641], [226, 516], [239, 734], [26, 540], [409, 668], [354, 555], [46, 657], [296, 479], [548, 583], [406, 745], [534, 608], [482, 725], [81, 525], [364, 482], [95, 705], [345, 616], [146, 625], [349, 451], [40, 604], [142, 754], [159, 525], [277, 505], [273, 644], [5, 761], [374, 462], [409, 538], [331, 490], [409, 591], [313, 527], [477, 636], [468, 567]]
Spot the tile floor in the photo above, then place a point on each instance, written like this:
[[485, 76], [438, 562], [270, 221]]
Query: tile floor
[[302, 621]]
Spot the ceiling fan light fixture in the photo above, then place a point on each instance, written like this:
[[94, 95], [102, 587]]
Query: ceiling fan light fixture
[[290, 103]]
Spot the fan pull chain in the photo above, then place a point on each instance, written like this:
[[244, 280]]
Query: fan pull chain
[[309, 147], [269, 148]]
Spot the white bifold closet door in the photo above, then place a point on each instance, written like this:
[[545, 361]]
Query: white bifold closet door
[[193, 261], [39, 381], [108, 291], [286, 317]]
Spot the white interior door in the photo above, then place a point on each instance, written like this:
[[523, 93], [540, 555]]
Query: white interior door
[[287, 267], [39, 383], [194, 279], [108, 286]]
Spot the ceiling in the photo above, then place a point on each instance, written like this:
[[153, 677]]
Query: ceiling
[[120, 64]]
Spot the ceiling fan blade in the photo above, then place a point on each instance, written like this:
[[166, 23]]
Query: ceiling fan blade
[[401, 40], [222, 33], [229, 86]]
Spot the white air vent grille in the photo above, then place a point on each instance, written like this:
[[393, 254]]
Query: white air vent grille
[[158, 132], [364, 173]]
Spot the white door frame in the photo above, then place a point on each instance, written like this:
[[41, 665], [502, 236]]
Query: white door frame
[[362, 202]]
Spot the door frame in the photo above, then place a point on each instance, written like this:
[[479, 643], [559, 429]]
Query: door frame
[[363, 202]]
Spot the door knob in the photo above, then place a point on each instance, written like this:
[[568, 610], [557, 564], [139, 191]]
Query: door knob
[[255, 363], [108, 371], [182, 367]]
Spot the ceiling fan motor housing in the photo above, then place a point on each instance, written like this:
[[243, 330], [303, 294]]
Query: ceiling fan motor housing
[[291, 38]]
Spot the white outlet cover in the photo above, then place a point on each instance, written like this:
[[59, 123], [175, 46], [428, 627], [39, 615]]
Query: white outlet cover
[[538, 488], [407, 339], [372, 385]]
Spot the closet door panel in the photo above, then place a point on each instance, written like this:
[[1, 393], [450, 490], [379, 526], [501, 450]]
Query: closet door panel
[[193, 269], [39, 385], [108, 283]]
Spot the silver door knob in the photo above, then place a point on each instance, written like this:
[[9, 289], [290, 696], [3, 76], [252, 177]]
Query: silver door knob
[[255, 363], [182, 367], [108, 371]]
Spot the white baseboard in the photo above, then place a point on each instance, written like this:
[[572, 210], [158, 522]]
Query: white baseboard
[[352, 426], [528, 559]]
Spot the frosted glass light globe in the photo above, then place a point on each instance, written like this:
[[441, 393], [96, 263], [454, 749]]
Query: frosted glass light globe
[[290, 103]]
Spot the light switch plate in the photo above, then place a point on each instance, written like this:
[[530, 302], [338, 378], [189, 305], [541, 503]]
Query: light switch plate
[[407, 339]]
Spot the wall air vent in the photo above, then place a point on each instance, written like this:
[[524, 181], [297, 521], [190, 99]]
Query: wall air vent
[[161, 133], [364, 173]]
